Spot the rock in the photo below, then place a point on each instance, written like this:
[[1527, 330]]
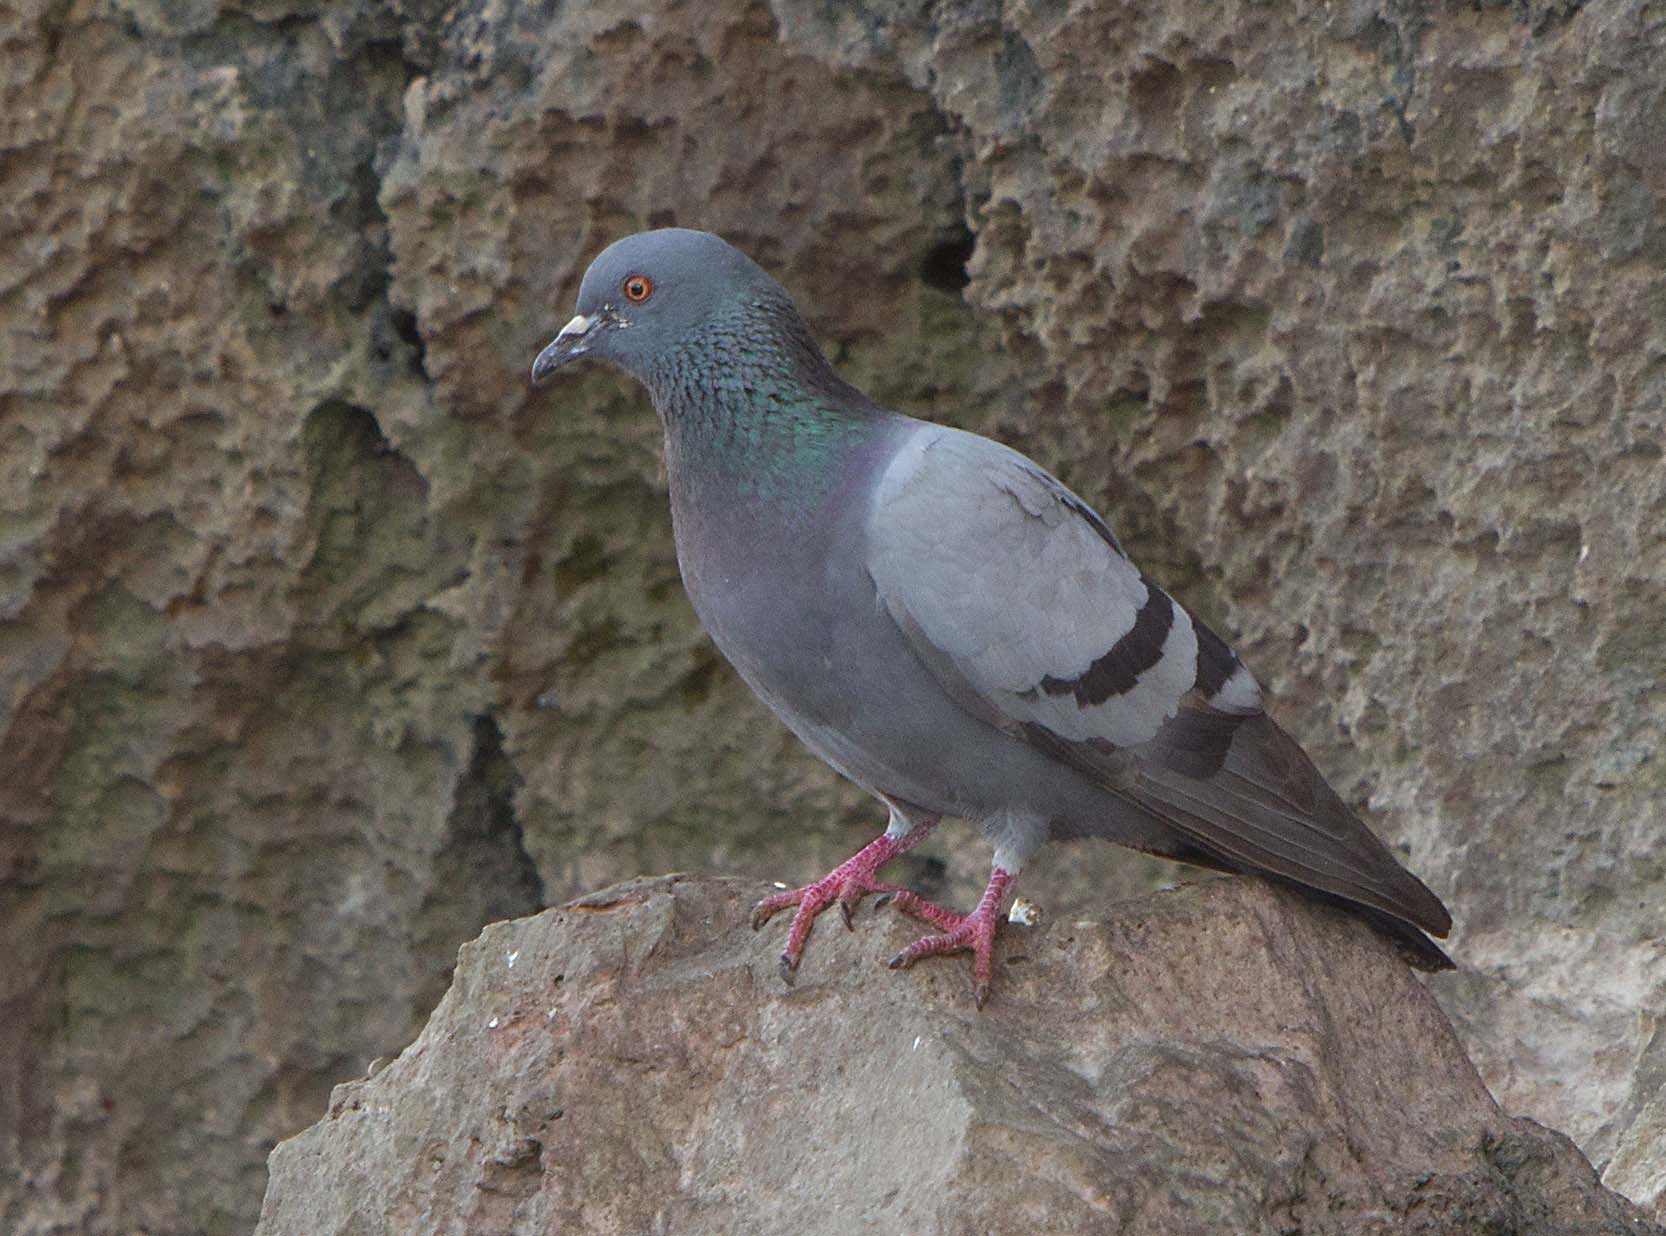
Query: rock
[[1223, 1058], [322, 643]]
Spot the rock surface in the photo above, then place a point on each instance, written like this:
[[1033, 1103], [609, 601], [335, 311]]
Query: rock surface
[[322, 643], [1219, 1059]]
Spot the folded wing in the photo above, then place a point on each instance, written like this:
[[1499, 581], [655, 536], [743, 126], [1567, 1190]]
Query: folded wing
[[1031, 617]]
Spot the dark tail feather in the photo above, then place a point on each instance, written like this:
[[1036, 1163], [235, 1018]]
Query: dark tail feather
[[1268, 809], [1239, 794], [1415, 949]]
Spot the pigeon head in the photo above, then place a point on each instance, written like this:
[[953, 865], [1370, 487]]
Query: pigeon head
[[649, 293]]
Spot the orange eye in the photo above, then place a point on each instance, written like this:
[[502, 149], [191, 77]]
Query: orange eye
[[638, 288]]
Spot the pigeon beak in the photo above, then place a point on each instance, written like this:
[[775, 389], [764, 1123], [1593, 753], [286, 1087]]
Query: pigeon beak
[[571, 343]]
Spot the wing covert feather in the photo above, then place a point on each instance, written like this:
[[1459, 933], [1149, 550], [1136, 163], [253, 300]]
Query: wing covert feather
[[1017, 584], [1024, 607]]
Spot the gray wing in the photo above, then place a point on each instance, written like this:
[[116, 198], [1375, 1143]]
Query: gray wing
[[1032, 618]]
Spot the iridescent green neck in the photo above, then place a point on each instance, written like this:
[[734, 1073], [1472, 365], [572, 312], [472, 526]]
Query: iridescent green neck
[[753, 411]]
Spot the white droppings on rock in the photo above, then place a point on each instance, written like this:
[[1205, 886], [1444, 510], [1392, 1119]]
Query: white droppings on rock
[[1024, 912]]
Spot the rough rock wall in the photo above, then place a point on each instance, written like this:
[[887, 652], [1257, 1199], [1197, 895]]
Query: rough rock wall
[[1221, 1059], [322, 642], [248, 810]]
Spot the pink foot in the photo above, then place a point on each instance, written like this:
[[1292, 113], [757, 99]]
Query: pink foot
[[974, 931], [847, 884]]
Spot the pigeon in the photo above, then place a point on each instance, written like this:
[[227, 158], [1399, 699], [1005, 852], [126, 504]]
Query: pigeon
[[947, 625]]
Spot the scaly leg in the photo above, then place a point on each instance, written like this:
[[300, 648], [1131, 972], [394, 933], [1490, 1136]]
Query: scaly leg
[[847, 883], [975, 931]]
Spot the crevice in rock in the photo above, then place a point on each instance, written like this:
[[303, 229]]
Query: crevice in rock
[[394, 328], [483, 872], [349, 104], [403, 324], [944, 267], [378, 552]]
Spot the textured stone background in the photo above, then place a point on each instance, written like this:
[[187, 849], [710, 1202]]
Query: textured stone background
[[323, 642]]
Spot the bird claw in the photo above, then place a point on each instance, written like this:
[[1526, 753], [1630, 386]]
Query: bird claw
[[974, 932], [812, 899], [846, 884], [973, 935], [915, 906], [847, 908], [788, 969]]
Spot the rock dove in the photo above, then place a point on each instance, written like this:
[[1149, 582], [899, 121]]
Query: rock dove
[[943, 622]]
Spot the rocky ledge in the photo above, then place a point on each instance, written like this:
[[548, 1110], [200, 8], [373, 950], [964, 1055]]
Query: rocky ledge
[[1220, 1058]]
